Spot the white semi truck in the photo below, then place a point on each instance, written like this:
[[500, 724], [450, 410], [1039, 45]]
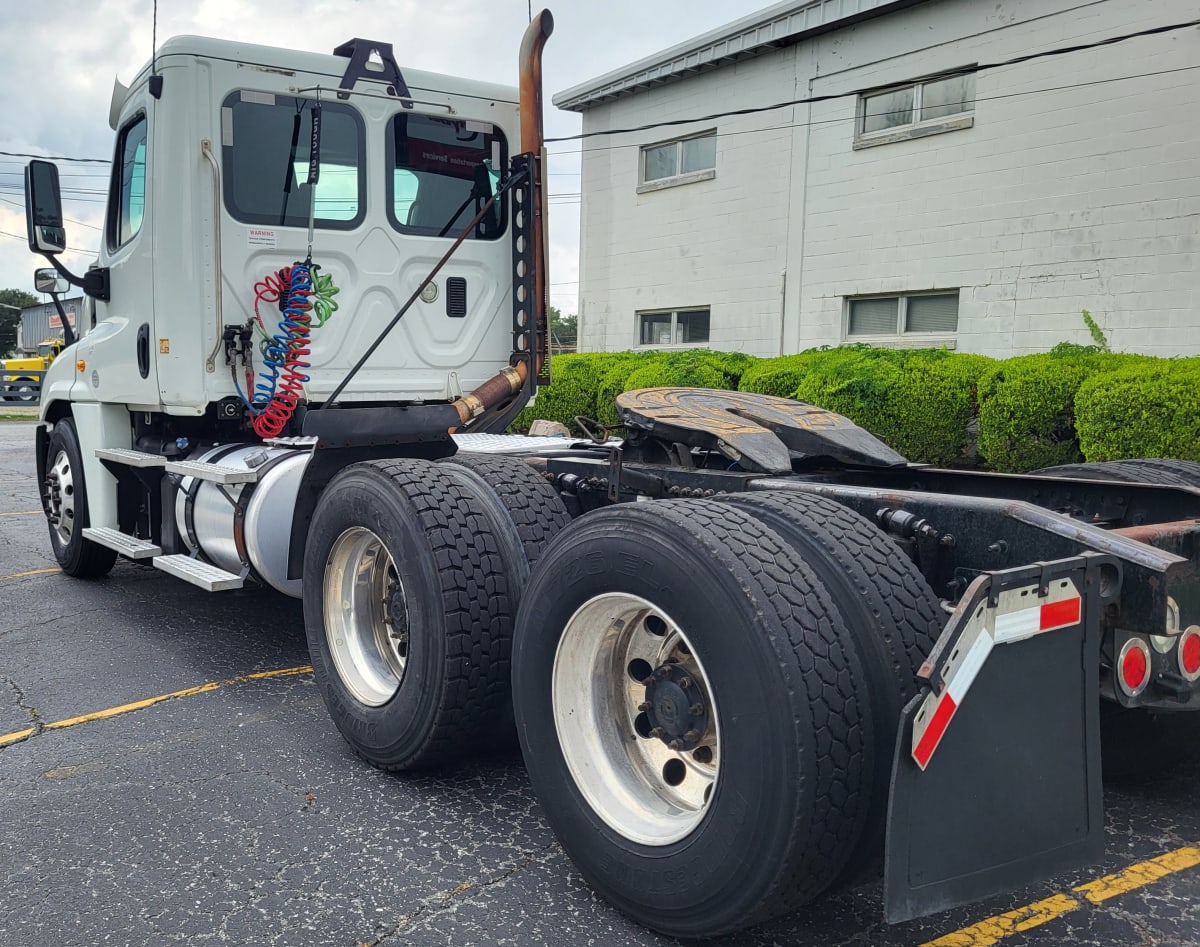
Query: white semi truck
[[322, 282]]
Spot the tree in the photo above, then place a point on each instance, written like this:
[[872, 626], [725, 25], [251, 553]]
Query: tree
[[564, 330], [10, 318]]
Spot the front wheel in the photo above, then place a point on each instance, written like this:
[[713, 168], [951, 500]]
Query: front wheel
[[64, 499], [692, 715]]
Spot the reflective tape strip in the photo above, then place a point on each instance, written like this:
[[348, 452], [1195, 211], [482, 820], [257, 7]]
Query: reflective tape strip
[[1061, 614], [990, 627], [956, 689], [1027, 622]]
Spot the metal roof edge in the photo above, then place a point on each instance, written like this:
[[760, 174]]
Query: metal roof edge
[[777, 25]]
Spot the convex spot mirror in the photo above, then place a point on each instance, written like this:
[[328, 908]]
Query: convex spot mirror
[[43, 208], [47, 280]]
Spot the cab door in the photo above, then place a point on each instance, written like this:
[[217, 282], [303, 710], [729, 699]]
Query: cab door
[[118, 353]]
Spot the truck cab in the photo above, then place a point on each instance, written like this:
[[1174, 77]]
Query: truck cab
[[386, 193], [209, 199]]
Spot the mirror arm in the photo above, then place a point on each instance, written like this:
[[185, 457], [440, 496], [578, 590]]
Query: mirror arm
[[69, 337], [94, 282]]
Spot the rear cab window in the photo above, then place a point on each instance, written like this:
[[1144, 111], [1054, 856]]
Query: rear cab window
[[442, 172], [265, 150]]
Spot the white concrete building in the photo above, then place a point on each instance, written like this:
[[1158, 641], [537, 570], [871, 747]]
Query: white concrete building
[[917, 201]]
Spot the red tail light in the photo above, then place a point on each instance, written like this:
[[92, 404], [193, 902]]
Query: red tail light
[[1133, 666], [1189, 653]]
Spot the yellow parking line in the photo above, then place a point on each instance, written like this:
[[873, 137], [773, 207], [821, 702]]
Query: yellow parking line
[[21, 575], [995, 929], [22, 513], [18, 735], [1141, 874]]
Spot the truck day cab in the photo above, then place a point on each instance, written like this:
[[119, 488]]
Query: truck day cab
[[319, 296]]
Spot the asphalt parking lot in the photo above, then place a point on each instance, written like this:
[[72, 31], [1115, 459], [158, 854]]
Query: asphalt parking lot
[[230, 811]]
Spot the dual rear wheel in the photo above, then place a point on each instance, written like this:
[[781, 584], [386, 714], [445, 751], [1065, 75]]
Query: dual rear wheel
[[706, 693]]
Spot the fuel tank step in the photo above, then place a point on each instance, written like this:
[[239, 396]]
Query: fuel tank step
[[214, 473], [131, 458], [208, 577], [126, 545]]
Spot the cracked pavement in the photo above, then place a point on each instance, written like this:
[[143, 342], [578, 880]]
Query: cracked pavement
[[238, 815]]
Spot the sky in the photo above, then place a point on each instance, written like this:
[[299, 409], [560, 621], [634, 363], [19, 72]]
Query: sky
[[61, 57]]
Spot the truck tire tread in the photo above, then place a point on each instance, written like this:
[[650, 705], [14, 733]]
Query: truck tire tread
[[472, 596]]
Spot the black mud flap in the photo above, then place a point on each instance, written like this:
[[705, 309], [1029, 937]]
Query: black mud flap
[[996, 780]]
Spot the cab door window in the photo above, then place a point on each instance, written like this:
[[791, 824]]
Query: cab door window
[[127, 200]]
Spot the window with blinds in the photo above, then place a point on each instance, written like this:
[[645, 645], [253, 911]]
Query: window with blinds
[[902, 315]]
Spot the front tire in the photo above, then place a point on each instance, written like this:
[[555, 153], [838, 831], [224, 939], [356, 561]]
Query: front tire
[[693, 829], [408, 614], [64, 499]]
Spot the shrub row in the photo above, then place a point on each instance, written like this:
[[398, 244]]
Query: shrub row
[[932, 405]]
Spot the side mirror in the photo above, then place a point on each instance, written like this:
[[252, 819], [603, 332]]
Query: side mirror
[[43, 208], [47, 280]]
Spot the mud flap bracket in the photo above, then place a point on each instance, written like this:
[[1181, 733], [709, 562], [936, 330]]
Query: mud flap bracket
[[1000, 787]]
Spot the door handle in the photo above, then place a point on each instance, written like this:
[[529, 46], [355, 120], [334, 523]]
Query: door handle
[[143, 349]]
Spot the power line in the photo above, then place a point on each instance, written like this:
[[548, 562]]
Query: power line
[[69, 220], [813, 99], [23, 154], [17, 236], [844, 119]]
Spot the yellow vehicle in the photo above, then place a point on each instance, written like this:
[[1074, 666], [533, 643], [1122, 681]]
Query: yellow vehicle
[[22, 377]]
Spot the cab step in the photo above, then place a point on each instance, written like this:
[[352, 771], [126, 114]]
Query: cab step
[[206, 576], [214, 473], [131, 458], [129, 546]]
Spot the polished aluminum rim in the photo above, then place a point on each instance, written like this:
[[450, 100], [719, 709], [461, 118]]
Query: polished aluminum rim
[[366, 619], [60, 499], [645, 789]]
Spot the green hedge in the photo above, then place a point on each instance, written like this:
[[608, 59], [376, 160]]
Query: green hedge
[[573, 392], [775, 376], [920, 402], [1073, 403], [1142, 410], [1027, 406]]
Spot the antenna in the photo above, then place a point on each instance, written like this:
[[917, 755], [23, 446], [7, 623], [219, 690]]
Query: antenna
[[156, 82]]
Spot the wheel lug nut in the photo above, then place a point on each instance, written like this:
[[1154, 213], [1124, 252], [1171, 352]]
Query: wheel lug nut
[[691, 736], [696, 710], [676, 744], [663, 672], [645, 705], [657, 733], [685, 682], [648, 681]]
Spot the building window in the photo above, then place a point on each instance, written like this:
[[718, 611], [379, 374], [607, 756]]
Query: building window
[[674, 327], [915, 110], [914, 314], [678, 162]]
